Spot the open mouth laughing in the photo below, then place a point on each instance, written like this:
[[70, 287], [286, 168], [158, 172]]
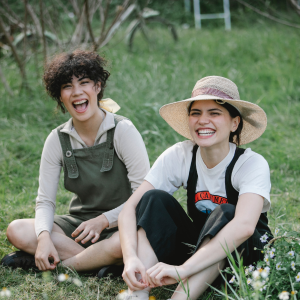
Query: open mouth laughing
[[80, 105], [205, 132]]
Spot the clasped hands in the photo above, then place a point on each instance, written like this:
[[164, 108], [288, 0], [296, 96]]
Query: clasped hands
[[158, 275]]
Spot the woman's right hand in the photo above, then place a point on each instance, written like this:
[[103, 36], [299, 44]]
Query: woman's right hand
[[45, 250], [132, 267]]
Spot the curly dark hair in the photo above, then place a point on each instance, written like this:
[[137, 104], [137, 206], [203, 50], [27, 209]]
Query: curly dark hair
[[78, 63], [234, 137]]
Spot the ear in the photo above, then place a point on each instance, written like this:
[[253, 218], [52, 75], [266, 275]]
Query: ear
[[98, 87], [235, 123]]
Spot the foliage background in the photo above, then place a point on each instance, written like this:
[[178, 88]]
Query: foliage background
[[260, 56]]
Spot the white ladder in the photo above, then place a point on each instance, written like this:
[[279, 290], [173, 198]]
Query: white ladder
[[198, 16]]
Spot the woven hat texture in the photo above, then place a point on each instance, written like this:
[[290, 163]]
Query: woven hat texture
[[222, 89]]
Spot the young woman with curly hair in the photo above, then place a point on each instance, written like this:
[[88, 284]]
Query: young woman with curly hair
[[228, 194], [104, 160]]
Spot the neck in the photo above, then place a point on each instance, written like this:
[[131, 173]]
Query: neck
[[212, 156], [88, 129]]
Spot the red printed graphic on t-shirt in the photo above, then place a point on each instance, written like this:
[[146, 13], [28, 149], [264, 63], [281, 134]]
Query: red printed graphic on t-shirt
[[206, 195]]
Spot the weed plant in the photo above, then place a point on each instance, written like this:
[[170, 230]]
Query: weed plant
[[263, 61]]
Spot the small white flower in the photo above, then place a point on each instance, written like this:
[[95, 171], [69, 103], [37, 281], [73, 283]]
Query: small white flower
[[63, 277], [266, 259], [272, 253], [5, 292], [255, 274], [293, 264], [291, 253], [285, 234], [278, 266], [251, 268], [247, 272], [249, 280], [284, 295], [276, 231], [77, 282], [264, 238], [267, 269], [232, 279], [257, 285], [298, 277], [264, 274]]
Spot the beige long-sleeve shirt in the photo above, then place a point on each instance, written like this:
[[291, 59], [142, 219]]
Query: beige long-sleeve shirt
[[129, 147]]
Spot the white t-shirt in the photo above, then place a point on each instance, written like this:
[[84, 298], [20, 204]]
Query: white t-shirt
[[251, 174]]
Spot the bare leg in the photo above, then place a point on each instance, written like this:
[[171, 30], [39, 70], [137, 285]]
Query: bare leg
[[144, 250], [199, 282], [104, 253], [21, 233]]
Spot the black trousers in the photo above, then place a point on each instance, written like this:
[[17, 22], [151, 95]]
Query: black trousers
[[174, 237]]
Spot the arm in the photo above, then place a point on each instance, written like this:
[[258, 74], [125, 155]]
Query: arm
[[128, 238], [45, 203], [237, 231]]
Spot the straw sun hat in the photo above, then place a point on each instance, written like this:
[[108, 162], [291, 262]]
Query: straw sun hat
[[224, 90]]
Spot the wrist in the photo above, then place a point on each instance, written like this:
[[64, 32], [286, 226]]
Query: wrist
[[43, 235], [103, 220]]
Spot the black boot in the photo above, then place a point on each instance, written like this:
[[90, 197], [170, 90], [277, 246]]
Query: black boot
[[19, 259], [113, 270]]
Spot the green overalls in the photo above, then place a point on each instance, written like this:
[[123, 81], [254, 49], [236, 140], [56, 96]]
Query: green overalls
[[98, 179]]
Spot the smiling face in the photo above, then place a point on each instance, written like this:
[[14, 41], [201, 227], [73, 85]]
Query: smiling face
[[210, 124], [80, 98]]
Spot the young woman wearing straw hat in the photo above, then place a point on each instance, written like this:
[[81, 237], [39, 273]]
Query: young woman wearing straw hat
[[104, 160], [227, 195]]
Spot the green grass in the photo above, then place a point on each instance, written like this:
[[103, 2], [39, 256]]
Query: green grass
[[263, 61]]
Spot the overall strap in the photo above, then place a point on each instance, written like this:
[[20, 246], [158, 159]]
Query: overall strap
[[191, 184], [110, 150], [68, 155], [231, 192]]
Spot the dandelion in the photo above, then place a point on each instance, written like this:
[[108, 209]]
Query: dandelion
[[278, 266], [63, 277], [232, 279], [249, 280], [77, 282], [264, 238], [276, 231], [5, 292], [298, 277], [291, 253], [284, 295]]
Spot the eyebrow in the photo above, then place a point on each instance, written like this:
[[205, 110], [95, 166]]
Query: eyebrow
[[212, 109], [84, 77]]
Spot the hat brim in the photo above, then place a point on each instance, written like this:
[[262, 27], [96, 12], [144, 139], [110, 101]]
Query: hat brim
[[254, 117]]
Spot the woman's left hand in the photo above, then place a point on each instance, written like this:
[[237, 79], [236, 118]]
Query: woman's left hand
[[90, 229], [163, 274]]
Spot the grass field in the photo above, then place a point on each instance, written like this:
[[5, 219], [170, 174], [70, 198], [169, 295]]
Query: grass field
[[263, 61]]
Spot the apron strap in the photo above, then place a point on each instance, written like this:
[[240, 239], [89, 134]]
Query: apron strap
[[108, 159], [191, 187], [231, 192], [68, 155]]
